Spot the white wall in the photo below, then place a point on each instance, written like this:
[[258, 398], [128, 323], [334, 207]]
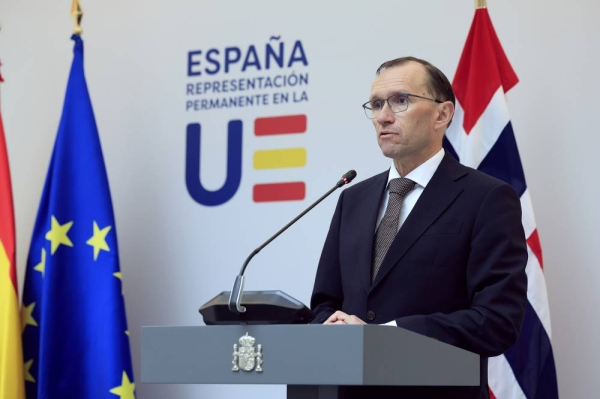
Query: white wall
[[174, 254]]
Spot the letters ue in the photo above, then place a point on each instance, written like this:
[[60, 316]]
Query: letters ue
[[262, 159]]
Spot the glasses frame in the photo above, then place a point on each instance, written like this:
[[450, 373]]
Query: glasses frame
[[368, 109]]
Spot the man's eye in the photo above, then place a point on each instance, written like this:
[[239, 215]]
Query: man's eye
[[376, 104], [400, 100]]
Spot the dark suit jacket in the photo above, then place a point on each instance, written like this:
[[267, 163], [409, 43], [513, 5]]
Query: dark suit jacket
[[454, 272]]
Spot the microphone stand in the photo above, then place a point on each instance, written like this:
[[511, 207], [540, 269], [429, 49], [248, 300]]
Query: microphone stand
[[268, 307], [238, 286]]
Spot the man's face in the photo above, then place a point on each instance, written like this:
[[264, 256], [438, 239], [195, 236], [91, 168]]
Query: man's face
[[409, 136]]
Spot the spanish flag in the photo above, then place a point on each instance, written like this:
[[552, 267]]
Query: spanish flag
[[11, 353]]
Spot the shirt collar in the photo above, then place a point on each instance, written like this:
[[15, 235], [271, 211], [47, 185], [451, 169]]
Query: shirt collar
[[422, 173]]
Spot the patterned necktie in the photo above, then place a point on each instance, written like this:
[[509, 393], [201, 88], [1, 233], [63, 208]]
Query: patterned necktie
[[388, 227]]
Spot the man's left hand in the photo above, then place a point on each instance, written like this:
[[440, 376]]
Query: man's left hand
[[340, 317]]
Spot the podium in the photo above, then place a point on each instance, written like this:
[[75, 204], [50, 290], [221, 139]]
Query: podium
[[312, 360]]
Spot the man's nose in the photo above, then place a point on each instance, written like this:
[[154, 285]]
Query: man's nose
[[386, 115]]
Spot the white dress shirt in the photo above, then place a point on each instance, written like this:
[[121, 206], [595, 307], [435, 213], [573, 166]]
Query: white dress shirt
[[421, 176]]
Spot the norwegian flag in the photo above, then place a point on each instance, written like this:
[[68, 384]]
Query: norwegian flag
[[481, 136]]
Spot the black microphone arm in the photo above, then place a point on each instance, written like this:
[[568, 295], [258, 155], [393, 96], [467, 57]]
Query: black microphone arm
[[235, 298]]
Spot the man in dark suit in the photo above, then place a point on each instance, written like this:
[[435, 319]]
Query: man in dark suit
[[430, 245]]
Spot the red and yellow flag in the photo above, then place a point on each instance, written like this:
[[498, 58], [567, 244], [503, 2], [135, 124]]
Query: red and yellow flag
[[11, 352]]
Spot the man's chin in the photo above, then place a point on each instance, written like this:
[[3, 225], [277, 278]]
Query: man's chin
[[392, 153]]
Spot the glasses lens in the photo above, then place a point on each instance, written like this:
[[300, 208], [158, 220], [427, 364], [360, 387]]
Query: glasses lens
[[368, 110], [373, 107], [398, 103]]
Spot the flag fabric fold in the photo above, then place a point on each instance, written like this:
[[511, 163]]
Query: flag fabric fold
[[75, 336], [11, 359], [481, 136]]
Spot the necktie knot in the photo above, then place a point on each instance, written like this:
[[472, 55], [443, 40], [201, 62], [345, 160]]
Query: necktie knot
[[401, 186]]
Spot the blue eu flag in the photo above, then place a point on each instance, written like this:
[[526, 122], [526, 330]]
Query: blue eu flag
[[75, 337]]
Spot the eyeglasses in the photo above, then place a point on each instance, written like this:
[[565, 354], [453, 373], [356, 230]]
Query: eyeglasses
[[397, 103]]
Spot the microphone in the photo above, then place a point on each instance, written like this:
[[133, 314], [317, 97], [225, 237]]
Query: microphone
[[263, 307], [235, 298]]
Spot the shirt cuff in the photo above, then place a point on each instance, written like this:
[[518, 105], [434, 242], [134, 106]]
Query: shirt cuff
[[391, 323]]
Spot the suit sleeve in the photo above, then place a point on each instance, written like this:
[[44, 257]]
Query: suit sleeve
[[496, 282], [327, 296]]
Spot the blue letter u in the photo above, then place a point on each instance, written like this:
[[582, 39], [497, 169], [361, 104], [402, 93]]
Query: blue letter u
[[234, 165]]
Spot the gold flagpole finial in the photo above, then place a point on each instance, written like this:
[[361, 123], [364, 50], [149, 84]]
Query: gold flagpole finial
[[77, 14], [480, 4]]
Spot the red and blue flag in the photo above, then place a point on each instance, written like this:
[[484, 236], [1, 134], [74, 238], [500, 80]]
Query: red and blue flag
[[481, 136]]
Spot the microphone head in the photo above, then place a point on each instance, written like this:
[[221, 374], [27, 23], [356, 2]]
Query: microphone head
[[347, 178]]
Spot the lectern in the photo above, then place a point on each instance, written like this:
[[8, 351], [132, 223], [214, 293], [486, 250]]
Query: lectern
[[312, 360]]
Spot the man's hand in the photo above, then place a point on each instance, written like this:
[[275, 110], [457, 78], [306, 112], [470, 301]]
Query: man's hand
[[340, 317]]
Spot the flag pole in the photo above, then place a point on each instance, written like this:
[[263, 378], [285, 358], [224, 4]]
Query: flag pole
[[1, 80], [77, 14], [480, 4]]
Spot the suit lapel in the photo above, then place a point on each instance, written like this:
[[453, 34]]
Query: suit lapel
[[440, 192], [365, 226]]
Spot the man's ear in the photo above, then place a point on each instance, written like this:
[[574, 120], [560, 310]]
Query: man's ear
[[445, 114]]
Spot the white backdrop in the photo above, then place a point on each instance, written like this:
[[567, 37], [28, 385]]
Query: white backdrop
[[176, 254]]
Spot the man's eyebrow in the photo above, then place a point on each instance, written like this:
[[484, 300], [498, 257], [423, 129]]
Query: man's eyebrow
[[404, 93], [376, 97]]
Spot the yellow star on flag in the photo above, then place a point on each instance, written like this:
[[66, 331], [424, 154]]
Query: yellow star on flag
[[126, 390], [98, 240], [27, 373], [41, 267], [58, 234], [27, 317]]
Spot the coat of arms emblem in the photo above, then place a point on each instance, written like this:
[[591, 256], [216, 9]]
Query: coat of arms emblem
[[245, 357]]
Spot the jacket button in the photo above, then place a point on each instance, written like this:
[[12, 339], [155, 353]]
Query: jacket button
[[371, 315]]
